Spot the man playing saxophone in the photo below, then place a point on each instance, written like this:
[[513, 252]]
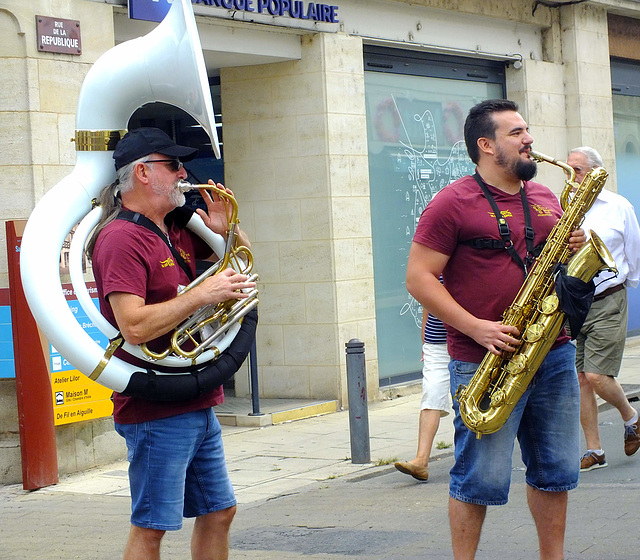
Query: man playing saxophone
[[482, 233], [176, 459]]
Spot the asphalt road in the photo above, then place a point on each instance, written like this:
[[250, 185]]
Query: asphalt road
[[386, 515], [382, 515]]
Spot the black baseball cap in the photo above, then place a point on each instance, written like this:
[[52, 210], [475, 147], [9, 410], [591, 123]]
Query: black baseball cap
[[141, 142]]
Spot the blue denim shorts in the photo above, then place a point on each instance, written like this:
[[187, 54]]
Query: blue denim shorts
[[176, 469], [546, 422]]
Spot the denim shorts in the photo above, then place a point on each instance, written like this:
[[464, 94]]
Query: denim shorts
[[176, 469], [546, 422]]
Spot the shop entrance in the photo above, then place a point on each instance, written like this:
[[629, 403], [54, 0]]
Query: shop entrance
[[416, 107], [625, 81]]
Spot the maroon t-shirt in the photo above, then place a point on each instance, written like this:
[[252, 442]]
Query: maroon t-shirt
[[130, 258], [483, 281]]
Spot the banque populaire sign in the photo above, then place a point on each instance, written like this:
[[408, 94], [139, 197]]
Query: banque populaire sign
[[154, 10]]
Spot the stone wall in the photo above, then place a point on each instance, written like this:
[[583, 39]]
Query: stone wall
[[296, 157], [585, 52], [38, 102]]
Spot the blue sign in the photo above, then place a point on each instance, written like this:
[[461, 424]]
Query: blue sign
[[57, 361], [7, 363], [155, 10], [149, 10]]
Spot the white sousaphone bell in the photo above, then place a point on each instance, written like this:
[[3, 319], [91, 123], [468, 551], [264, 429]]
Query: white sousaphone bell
[[166, 66]]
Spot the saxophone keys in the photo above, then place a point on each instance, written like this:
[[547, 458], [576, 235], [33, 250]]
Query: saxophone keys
[[475, 417], [549, 304], [534, 332], [498, 398], [517, 364]]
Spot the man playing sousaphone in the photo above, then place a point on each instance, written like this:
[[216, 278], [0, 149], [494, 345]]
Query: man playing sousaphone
[[479, 284], [140, 261]]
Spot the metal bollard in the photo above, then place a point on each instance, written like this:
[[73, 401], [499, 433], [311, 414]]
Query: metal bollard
[[255, 390], [358, 409]]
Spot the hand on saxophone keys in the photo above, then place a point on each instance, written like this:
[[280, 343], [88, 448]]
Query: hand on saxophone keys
[[577, 239], [495, 336]]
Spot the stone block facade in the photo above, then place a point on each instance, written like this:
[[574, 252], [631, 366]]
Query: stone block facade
[[295, 154]]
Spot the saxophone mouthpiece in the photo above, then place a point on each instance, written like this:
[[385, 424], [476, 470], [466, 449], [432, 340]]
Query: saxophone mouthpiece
[[539, 157]]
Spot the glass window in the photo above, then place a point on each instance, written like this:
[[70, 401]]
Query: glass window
[[625, 79], [416, 147], [184, 129]]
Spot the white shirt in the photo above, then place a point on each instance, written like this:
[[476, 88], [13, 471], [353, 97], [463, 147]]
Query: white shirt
[[613, 218]]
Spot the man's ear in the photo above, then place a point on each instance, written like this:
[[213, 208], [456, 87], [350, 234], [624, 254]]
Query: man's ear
[[485, 145], [140, 172]]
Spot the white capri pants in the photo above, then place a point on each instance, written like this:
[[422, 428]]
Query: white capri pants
[[435, 378]]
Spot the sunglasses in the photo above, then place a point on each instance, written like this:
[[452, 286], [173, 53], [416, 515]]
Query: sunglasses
[[174, 165]]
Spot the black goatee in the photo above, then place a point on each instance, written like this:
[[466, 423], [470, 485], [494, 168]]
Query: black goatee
[[526, 169]]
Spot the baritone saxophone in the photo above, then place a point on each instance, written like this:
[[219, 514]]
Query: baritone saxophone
[[499, 382]]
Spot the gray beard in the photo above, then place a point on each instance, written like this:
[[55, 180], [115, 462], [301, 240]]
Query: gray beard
[[176, 196]]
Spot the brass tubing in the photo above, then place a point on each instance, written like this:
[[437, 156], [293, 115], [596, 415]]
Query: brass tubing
[[223, 314]]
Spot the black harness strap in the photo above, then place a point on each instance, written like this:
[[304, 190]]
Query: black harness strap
[[156, 386], [143, 221], [153, 386], [505, 232]]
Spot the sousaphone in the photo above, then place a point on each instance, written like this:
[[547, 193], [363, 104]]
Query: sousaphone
[[165, 66]]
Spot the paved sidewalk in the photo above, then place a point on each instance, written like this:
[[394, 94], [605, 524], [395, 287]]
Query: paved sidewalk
[[295, 483], [276, 460]]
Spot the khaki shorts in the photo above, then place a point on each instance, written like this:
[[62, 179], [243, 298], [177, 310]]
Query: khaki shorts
[[600, 344]]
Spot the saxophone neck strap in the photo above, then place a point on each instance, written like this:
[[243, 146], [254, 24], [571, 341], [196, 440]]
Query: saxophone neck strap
[[143, 221], [505, 232]]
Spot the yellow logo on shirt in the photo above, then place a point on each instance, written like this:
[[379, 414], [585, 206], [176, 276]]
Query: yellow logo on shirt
[[167, 262], [186, 257], [542, 210], [503, 213]]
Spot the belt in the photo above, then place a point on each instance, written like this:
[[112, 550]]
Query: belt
[[608, 292]]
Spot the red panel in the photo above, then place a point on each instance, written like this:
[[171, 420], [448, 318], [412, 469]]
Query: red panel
[[33, 384], [4, 296]]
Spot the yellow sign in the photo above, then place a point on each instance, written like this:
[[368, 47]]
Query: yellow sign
[[76, 397]]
